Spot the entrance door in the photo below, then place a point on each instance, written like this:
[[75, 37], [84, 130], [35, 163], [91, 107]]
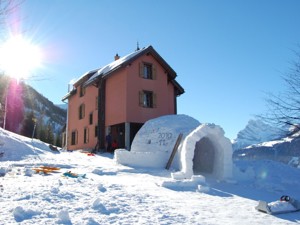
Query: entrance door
[[204, 155]]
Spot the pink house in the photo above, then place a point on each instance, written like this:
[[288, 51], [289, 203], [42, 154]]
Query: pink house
[[119, 98]]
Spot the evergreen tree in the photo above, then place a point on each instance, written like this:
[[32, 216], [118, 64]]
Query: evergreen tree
[[28, 125], [41, 132], [57, 140], [49, 134]]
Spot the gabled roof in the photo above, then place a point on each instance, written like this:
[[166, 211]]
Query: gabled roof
[[126, 60], [84, 77], [93, 76]]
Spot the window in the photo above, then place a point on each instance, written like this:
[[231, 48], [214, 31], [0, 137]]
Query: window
[[147, 71], [147, 99], [82, 91], [81, 111], [91, 118], [74, 138], [85, 135]]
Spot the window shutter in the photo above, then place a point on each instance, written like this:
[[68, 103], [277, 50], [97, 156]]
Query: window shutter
[[154, 100], [141, 98], [83, 110], [153, 72], [76, 137], [79, 112], [141, 66], [86, 135]]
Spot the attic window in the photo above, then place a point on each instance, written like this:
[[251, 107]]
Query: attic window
[[147, 71], [82, 91]]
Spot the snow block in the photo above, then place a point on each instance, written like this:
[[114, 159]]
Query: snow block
[[141, 159]]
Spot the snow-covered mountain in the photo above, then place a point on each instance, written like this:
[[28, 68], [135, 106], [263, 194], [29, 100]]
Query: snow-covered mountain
[[25, 105], [63, 106], [256, 131], [284, 150]]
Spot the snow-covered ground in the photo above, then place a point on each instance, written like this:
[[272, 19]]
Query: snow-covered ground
[[116, 194]]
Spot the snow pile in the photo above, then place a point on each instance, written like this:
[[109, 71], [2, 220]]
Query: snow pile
[[14, 147], [153, 144], [197, 182]]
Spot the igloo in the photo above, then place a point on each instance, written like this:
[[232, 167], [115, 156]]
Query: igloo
[[206, 151], [203, 150]]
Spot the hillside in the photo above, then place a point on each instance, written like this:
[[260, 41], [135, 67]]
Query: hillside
[[23, 104]]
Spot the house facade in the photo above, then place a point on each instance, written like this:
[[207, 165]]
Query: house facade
[[119, 98]]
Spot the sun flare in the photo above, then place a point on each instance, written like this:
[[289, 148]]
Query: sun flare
[[19, 57]]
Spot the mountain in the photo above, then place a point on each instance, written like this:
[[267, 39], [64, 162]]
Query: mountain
[[63, 106], [285, 150], [256, 131], [24, 107]]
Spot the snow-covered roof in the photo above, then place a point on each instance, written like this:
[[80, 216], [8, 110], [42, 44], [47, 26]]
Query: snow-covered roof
[[124, 61], [92, 76], [85, 76], [114, 65]]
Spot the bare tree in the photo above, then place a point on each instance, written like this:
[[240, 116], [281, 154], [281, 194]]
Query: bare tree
[[7, 8], [284, 108]]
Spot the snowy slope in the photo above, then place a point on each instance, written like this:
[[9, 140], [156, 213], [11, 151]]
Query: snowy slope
[[256, 132], [115, 194]]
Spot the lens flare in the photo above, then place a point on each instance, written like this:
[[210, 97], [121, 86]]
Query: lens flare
[[263, 174], [19, 57]]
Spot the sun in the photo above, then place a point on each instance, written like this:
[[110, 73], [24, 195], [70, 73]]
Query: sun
[[19, 57]]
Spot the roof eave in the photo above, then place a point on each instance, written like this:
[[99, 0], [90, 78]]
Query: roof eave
[[68, 95]]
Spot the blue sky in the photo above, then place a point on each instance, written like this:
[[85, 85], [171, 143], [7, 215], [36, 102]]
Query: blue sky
[[227, 54]]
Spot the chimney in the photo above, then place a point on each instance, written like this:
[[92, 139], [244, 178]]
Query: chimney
[[117, 57]]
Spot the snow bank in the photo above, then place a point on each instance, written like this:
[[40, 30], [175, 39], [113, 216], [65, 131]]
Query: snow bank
[[14, 147]]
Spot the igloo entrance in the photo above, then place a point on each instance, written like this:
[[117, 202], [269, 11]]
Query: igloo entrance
[[204, 156], [205, 151]]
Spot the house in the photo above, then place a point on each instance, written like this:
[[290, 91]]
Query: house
[[119, 98]]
